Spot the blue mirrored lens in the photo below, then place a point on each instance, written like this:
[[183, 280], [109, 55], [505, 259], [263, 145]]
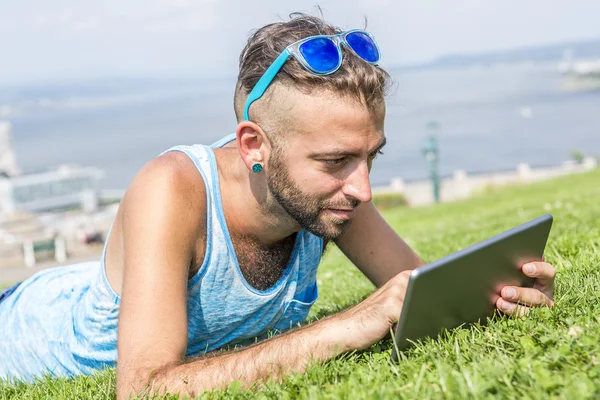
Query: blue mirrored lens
[[363, 45], [321, 54]]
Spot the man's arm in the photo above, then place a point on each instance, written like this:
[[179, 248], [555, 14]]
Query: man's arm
[[375, 248], [160, 222], [355, 328], [270, 359]]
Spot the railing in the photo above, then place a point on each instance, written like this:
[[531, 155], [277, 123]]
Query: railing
[[55, 246]]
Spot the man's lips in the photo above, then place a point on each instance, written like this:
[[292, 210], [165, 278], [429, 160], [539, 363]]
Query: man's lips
[[342, 213]]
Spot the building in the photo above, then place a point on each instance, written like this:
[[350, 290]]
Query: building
[[8, 163], [63, 188], [66, 187], [29, 201]]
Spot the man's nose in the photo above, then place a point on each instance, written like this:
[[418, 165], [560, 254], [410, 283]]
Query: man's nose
[[358, 185]]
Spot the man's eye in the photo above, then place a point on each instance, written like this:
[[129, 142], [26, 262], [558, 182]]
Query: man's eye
[[333, 162], [374, 155]]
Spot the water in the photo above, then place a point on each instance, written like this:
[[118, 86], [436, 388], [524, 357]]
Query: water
[[489, 119]]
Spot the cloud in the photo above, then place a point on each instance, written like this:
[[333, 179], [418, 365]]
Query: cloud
[[5, 111], [73, 38], [184, 16], [63, 21], [180, 4], [127, 17]]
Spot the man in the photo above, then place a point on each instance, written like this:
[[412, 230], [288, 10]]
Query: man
[[214, 246]]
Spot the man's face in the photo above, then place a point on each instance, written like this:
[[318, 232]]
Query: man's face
[[319, 174]]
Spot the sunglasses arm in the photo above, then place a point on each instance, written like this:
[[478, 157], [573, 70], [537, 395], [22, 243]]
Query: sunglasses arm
[[265, 80]]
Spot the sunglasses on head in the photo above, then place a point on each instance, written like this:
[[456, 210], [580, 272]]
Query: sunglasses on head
[[321, 55]]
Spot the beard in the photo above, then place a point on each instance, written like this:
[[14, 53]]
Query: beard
[[305, 208]]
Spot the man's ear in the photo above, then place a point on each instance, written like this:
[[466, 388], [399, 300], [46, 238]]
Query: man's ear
[[252, 143]]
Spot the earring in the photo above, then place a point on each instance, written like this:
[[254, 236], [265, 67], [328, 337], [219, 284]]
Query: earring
[[256, 167]]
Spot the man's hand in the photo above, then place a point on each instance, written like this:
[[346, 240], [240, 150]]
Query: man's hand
[[518, 300], [370, 320]]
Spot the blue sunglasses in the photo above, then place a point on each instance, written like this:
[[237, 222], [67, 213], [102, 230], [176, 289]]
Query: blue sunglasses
[[321, 55]]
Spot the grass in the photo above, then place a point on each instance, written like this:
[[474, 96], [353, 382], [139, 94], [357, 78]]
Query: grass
[[384, 201], [553, 353]]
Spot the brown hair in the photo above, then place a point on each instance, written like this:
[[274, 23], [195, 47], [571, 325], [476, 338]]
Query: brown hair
[[356, 78]]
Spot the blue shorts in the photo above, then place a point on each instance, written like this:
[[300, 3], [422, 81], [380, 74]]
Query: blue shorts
[[7, 292]]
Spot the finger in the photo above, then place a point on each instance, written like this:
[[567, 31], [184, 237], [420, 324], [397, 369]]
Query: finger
[[527, 296], [542, 271], [510, 308]]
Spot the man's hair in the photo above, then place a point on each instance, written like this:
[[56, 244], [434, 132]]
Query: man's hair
[[355, 79]]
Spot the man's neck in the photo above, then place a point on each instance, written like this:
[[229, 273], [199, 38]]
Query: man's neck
[[249, 209]]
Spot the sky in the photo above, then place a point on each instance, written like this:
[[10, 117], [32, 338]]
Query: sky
[[65, 40]]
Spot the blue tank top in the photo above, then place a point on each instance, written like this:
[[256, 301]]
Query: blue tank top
[[64, 320]]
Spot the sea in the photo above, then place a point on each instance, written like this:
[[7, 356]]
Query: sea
[[486, 118]]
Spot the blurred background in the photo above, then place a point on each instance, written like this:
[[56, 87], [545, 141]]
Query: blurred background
[[91, 91]]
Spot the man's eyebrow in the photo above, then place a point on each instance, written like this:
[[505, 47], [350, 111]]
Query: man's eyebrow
[[381, 145], [342, 153]]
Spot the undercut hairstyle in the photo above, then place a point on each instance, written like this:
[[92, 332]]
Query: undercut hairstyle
[[355, 79]]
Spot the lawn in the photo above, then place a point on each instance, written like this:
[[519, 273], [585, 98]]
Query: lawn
[[552, 353]]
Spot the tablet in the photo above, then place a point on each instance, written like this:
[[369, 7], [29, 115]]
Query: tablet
[[463, 287]]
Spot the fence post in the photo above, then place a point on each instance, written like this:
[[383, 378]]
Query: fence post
[[60, 249], [29, 253]]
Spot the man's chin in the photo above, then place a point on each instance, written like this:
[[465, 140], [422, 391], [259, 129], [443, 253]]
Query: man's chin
[[331, 230]]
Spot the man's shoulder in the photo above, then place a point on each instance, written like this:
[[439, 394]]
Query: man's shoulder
[[168, 184]]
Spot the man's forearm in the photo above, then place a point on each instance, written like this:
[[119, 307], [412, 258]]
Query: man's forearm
[[375, 248], [273, 358]]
